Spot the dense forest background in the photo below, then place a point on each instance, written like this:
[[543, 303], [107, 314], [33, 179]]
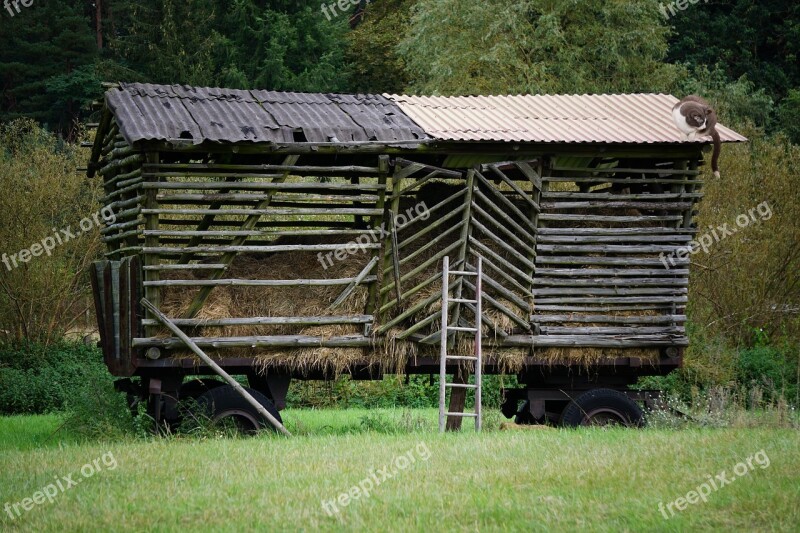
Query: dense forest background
[[743, 56]]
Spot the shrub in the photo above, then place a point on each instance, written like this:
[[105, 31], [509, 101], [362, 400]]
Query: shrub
[[35, 378], [45, 296]]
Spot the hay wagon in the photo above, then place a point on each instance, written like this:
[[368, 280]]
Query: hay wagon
[[302, 236]]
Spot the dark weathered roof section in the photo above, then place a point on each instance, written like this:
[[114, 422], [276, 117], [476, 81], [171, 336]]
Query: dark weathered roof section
[[148, 112]]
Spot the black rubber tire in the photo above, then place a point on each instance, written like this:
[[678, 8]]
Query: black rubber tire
[[195, 388], [602, 407], [224, 402], [524, 416]]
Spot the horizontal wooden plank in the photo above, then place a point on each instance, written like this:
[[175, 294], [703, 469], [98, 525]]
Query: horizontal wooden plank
[[612, 170], [599, 330], [590, 341], [607, 248], [261, 249], [626, 181], [600, 300], [614, 272], [607, 291], [254, 233], [225, 169], [256, 341], [605, 308], [192, 266], [578, 239], [299, 211], [253, 282], [267, 321], [609, 218], [267, 186], [255, 197], [641, 231], [590, 260], [572, 196], [610, 319], [610, 281], [643, 206]]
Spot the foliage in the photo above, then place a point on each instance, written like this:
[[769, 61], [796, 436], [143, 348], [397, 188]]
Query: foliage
[[372, 54], [35, 378], [750, 278], [760, 40], [392, 391], [47, 55], [537, 46], [46, 296], [242, 44], [789, 116]]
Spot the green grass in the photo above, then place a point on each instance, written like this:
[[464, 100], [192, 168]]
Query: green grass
[[587, 479]]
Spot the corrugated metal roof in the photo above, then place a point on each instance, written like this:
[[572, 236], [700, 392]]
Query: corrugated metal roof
[[148, 112], [604, 118]]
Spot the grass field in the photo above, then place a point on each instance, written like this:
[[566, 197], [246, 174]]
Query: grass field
[[416, 479]]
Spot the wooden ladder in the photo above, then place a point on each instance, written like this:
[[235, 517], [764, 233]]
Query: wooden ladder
[[477, 356]]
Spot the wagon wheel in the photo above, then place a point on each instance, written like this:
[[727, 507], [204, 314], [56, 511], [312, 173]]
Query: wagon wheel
[[194, 388], [222, 404], [602, 407]]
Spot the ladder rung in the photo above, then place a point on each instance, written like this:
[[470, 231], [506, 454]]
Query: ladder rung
[[461, 385], [463, 273], [471, 415], [461, 357], [462, 301], [459, 328]]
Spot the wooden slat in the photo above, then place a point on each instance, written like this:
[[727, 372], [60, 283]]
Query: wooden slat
[[266, 186], [267, 321], [610, 319], [611, 281], [633, 330], [607, 248], [265, 341], [600, 300], [609, 218], [589, 341], [571, 272], [325, 282], [590, 260]]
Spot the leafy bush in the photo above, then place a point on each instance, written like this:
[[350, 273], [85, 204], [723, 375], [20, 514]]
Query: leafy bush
[[43, 289], [35, 378]]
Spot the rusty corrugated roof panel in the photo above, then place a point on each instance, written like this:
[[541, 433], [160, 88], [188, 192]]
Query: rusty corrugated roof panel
[[148, 112], [602, 118]]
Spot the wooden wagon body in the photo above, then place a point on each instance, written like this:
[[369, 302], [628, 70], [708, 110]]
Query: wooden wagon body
[[581, 219]]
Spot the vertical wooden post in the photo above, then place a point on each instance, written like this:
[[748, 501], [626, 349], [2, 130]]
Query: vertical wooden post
[[151, 223], [478, 345], [376, 223], [443, 342], [387, 250]]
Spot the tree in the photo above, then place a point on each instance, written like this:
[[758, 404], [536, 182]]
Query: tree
[[760, 40], [47, 54], [537, 46]]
